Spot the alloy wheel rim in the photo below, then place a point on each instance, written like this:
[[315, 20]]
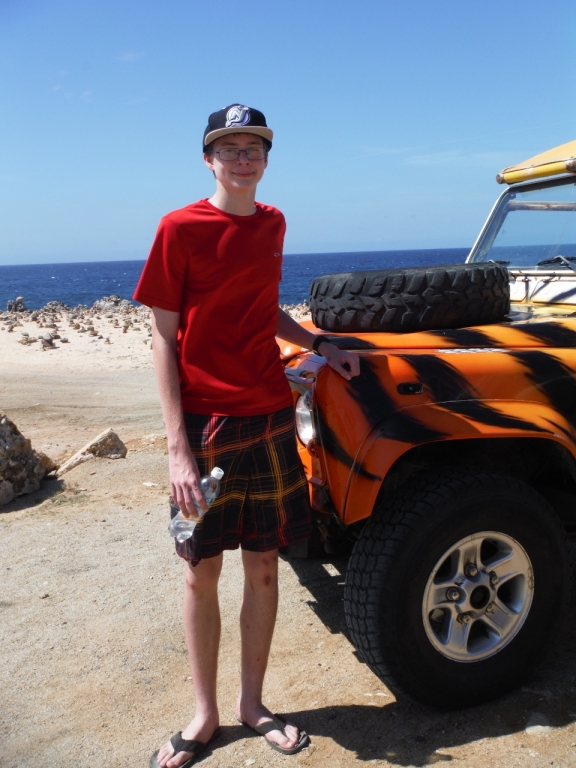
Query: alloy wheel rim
[[478, 596]]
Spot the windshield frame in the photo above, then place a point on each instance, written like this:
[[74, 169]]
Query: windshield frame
[[491, 228]]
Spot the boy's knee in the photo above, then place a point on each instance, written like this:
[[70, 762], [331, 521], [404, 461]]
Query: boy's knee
[[270, 567], [262, 569], [270, 558], [202, 579]]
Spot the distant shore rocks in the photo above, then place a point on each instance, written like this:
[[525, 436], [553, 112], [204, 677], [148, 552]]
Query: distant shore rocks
[[17, 305], [21, 467], [105, 314], [110, 310], [297, 311], [112, 303]]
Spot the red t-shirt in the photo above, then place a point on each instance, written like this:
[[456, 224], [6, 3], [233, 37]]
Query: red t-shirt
[[221, 273]]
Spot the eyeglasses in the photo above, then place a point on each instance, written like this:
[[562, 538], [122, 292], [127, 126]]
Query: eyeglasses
[[233, 153]]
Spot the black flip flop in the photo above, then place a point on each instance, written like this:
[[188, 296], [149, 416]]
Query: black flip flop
[[186, 745], [278, 724]]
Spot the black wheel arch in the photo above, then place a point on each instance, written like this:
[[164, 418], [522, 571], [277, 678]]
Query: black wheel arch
[[542, 463]]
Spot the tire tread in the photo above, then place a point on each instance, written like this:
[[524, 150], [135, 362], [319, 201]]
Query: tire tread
[[409, 300], [387, 532]]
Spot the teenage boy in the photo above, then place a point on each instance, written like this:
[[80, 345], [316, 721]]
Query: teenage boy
[[212, 282]]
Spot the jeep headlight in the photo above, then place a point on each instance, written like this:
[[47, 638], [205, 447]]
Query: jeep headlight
[[304, 423]]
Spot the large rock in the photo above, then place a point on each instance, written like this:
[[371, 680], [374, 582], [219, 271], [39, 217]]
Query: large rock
[[21, 467], [107, 445]]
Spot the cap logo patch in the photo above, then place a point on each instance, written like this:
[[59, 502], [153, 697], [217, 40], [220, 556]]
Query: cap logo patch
[[237, 116]]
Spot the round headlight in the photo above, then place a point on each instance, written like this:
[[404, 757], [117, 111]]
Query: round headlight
[[304, 423]]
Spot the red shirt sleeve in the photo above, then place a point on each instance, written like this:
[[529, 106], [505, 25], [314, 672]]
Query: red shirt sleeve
[[163, 278]]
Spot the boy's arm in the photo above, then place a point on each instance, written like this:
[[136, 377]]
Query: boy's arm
[[343, 362], [184, 474]]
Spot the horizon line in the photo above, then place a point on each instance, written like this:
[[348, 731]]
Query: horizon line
[[301, 253]]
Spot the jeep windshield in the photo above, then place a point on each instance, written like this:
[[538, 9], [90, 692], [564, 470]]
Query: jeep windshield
[[533, 226]]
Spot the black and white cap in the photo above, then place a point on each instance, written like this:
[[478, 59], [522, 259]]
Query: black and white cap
[[236, 118]]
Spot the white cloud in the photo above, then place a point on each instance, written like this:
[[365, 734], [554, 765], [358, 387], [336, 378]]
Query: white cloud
[[460, 159], [370, 150], [129, 56]]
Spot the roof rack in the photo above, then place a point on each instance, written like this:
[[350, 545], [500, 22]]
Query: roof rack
[[555, 161]]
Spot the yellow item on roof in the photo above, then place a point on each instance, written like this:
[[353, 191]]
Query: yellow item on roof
[[561, 159]]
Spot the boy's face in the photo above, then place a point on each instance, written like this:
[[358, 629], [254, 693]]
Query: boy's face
[[241, 173]]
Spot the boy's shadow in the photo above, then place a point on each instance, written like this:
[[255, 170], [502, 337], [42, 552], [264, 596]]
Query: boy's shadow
[[406, 734]]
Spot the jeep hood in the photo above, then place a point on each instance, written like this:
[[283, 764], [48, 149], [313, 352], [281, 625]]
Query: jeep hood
[[525, 327]]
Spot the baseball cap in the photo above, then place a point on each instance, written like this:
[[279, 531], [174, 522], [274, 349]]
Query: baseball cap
[[236, 118]]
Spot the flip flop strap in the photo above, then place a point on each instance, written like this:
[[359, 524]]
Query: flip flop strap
[[185, 745], [271, 725]]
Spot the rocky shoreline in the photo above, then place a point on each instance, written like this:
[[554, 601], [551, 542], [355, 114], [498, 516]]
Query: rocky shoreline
[[112, 334], [106, 314], [113, 310]]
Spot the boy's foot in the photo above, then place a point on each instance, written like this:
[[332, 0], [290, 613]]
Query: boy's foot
[[168, 757], [287, 738]]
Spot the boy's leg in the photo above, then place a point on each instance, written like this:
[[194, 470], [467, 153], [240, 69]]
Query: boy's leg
[[257, 619], [201, 614]]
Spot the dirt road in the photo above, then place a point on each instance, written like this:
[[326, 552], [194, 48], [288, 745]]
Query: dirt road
[[93, 662]]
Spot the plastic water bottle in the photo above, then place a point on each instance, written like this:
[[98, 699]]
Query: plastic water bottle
[[180, 527]]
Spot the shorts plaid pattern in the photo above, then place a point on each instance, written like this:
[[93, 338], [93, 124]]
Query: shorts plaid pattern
[[263, 502]]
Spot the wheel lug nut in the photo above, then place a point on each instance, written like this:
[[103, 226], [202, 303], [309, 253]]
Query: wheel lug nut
[[452, 594], [471, 571], [490, 608], [464, 618], [494, 578]]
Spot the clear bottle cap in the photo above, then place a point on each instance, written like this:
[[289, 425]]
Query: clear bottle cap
[[217, 473]]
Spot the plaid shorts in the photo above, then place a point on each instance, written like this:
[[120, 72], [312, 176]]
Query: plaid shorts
[[263, 502]]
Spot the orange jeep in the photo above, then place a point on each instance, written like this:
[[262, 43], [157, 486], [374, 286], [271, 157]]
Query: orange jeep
[[450, 462]]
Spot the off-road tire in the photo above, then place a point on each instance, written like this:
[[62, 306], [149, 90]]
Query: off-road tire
[[395, 558], [416, 299]]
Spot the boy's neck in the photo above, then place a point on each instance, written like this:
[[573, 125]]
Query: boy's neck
[[232, 202]]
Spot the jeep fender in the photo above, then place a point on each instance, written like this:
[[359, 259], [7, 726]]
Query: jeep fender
[[461, 420]]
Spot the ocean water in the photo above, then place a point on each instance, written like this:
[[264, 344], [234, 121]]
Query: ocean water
[[85, 282]]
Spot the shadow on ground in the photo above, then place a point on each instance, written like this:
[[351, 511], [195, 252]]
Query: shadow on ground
[[405, 733], [324, 578], [409, 735], [50, 488]]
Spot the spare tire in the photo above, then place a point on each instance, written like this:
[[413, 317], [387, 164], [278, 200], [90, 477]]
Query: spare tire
[[415, 299]]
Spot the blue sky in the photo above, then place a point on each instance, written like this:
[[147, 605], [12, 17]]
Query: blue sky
[[391, 119]]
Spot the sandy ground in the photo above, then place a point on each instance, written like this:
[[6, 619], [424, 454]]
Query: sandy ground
[[93, 666]]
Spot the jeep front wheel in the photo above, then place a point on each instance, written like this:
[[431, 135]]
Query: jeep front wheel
[[455, 588]]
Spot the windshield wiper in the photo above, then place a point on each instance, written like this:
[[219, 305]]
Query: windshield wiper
[[497, 261], [563, 260]]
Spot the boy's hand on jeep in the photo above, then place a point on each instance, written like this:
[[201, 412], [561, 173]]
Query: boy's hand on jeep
[[343, 362]]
